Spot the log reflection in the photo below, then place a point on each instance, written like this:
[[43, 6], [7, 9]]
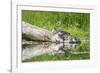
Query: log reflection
[[37, 49]]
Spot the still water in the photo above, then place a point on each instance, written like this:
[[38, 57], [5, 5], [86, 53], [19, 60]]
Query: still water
[[34, 49]]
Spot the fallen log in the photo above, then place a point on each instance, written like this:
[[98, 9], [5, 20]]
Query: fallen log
[[33, 32]]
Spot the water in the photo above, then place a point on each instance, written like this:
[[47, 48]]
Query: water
[[34, 49]]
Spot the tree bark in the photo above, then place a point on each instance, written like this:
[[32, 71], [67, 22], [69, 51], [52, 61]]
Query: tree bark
[[33, 32]]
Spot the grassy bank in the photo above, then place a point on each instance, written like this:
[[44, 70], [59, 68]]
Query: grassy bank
[[77, 24]]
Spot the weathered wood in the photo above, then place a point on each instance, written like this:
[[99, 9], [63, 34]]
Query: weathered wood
[[33, 32]]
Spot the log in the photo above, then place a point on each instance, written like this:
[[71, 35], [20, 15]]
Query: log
[[33, 32]]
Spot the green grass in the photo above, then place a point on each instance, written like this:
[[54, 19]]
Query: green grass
[[77, 24], [66, 56]]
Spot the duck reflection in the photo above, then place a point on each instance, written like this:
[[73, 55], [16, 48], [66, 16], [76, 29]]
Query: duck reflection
[[37, 49]]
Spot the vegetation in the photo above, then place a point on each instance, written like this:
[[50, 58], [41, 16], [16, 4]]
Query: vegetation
[[78, 24]]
